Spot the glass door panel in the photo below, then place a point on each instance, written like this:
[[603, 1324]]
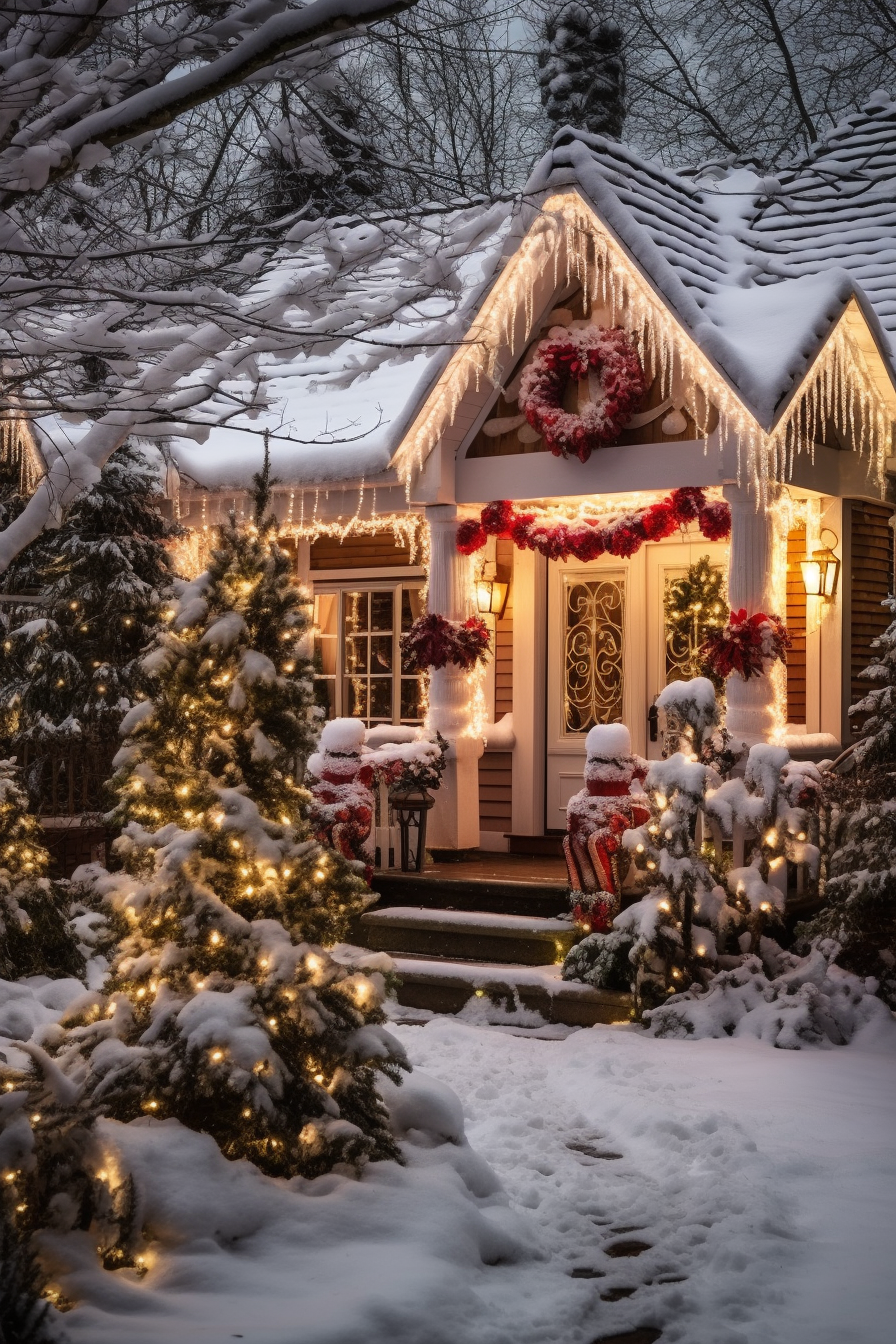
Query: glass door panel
[[593, 670]]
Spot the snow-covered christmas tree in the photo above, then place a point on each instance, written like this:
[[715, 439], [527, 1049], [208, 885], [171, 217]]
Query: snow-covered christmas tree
[[860, 891], [24, 1311], [70, 667], [222, 1010], [581, 69], [36, 937]]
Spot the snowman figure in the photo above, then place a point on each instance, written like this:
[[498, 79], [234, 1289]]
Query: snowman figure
[[596, 818]]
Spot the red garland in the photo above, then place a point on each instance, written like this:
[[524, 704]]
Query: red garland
[[587, 540], [608, 353], [748, 645], [433, 641]]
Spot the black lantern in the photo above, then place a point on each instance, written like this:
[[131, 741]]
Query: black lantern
[[821, 570], [410, 808]]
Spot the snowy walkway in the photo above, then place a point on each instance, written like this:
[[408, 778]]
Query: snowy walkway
[[752, 1201], [764, 1182]]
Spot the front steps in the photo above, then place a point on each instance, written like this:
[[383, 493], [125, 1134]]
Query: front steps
[[540, 899], [445, 987], [468, 935], [454, 939]]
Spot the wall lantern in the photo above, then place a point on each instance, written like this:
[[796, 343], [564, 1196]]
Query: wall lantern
[[821, 570], [491, 595]]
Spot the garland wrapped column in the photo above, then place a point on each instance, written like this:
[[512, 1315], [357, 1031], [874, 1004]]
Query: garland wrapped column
[[455, 820], [750, 714]]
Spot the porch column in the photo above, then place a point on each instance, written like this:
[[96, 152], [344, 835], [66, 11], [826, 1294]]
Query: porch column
[[750, 715], [454, 821]]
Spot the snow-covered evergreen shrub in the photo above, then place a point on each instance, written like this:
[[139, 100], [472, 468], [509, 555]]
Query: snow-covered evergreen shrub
[[222, 1010], [25, 1314], [70, 667], [860, 889], [803, 1001], [700, 914], [602, 960], [36, 935], [692, 714]]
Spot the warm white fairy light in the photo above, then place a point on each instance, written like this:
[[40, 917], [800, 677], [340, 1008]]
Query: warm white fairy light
[[190, 553], [569, 237]]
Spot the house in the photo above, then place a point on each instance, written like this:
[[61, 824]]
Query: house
[[764, 314]]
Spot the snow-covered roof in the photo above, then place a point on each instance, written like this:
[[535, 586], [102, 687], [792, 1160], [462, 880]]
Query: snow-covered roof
[[757, 270], [336, 408]]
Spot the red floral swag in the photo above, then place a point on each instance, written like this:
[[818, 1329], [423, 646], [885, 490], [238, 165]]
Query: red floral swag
[[433, 641], [586, 540], [747, 645]]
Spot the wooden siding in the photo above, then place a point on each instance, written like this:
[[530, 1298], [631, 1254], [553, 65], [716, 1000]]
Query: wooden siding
[[870, 579], [504, 445], [796, 625], [359, 552], [495, 791]]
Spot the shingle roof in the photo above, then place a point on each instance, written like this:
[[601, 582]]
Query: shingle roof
[[758, 269], [838, 209]]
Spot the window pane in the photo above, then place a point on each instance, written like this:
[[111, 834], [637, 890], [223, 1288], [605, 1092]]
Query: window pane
[[382, 606], [356, 697], [356, 653], [356, 612], [381, 653], [411, 699], [411, 606], [381, 698], [325, 695]]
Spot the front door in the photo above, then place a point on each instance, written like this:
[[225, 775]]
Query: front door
[[610, 653], [595, 665]]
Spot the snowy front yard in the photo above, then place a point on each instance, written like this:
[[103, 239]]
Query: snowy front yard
[[756, 1188]]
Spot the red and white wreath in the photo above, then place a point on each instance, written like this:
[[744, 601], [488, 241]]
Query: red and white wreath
[[607, 357]]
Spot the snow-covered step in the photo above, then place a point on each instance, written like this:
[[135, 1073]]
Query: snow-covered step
[[534, 897], [467, 935], [445, 986]]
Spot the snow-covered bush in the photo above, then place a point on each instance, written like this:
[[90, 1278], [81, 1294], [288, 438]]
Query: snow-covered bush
[[801, 1001], [68, 677], [222, 1010], [692, 714], [700, 913], [36, 935], [602, 960], [860, 887]]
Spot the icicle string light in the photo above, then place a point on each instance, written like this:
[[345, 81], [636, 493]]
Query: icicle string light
[[191, 552], [839, 387]]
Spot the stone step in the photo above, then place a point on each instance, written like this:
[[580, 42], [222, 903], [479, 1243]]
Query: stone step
[[461, 935], [543, 900], [444, 987]]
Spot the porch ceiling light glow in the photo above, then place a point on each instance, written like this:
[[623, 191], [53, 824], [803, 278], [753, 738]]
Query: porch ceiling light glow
[[822, 570]]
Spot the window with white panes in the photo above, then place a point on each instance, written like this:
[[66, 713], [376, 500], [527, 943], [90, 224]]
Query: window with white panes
[[358, 663]]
